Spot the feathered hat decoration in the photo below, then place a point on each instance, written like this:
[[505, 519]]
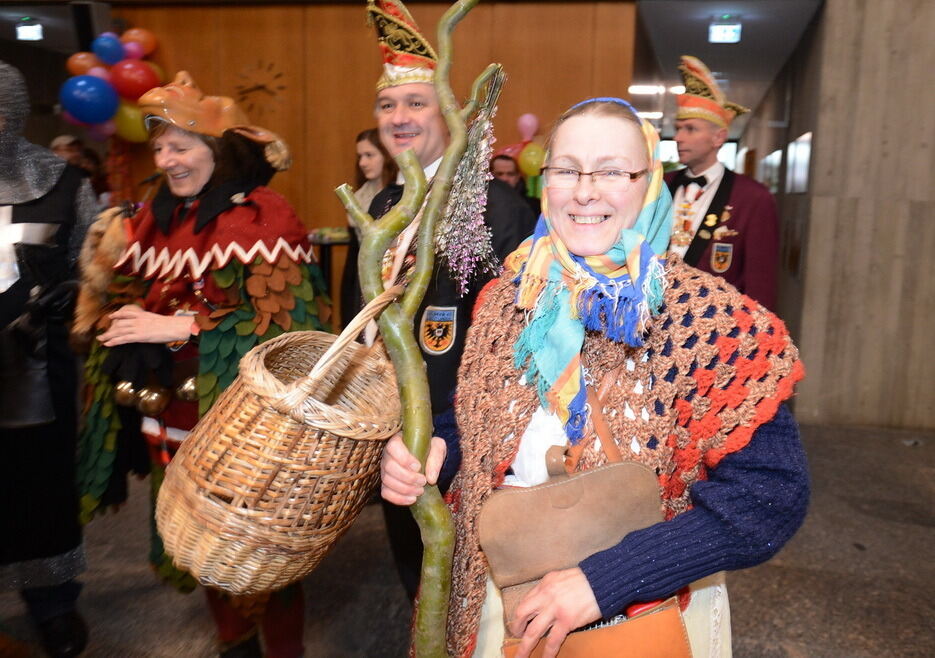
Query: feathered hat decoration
[[703, 98], [183, 104]]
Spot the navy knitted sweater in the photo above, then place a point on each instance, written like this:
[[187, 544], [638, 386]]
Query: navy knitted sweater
[[748, 508]]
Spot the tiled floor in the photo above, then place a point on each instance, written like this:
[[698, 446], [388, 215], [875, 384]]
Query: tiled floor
[[857, 580]]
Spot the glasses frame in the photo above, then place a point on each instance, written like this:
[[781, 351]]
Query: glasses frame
[[633, 175]]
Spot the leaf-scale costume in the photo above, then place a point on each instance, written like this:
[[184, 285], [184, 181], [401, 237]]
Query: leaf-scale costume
[[236, 258]]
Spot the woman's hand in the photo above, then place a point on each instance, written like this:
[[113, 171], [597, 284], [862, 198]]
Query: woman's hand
[[562, 601], [131, 324], [401, 480]]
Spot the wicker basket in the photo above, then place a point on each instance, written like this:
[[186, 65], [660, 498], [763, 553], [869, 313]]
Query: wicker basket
[[283, 462]]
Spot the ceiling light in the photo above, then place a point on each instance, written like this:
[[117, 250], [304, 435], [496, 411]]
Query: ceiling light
[[649, 115], [646, 90], [724, 29], [28, 29], [677, 89]]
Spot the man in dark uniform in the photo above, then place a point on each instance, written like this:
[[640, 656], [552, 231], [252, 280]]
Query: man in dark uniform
[[46, 206], [409, 117], [724, 223]]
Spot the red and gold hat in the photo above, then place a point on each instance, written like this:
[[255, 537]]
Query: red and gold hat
[[703, 98], [183, 104], [407, 55]]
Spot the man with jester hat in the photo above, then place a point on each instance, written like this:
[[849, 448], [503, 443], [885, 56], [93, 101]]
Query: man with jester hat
[[46, 206], [409, 117], [176, 294], [723, 222]]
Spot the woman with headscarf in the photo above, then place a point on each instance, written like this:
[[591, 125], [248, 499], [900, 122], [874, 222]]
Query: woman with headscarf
[[215, 264], [46, 206], [596, 341]]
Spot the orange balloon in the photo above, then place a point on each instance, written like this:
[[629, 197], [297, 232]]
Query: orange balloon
[[81, 63], [141, 36]]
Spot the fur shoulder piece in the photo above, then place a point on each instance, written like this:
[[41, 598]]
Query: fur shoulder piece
[[102, 247]]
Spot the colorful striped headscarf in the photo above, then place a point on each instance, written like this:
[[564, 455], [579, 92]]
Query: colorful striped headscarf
[[615, 293]]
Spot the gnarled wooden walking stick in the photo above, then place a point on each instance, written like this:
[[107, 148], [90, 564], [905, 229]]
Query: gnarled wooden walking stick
[[397, 321]]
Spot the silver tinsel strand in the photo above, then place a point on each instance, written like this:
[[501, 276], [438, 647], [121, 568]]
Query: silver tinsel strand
[[462, 238]]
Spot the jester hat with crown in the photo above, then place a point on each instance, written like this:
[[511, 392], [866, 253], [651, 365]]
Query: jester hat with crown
[[703, 98], [407, 55]]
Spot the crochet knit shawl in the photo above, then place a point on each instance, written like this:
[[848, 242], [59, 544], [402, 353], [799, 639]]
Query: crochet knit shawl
[[715, 366]]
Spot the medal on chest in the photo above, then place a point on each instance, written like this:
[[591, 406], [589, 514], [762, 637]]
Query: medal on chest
[[682, 233]]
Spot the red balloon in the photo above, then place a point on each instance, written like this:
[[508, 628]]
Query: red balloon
[[141, 36], [132, 78], [81, 63]]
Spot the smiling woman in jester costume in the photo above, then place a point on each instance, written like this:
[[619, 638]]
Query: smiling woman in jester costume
[[597, 341], [176, 295]]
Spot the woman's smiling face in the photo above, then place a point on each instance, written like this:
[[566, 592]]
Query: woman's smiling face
[[588, 218], [186, 160]]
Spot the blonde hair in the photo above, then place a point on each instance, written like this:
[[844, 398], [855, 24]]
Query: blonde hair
[[598, 107]]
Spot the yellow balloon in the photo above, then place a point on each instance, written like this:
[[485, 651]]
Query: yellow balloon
[[531, 159], [157, 70], [129, 122]]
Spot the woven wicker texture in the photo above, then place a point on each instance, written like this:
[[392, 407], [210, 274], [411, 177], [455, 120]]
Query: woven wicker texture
[[283, 462]]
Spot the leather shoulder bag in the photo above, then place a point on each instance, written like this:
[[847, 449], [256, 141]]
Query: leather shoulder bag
[[527, 532]]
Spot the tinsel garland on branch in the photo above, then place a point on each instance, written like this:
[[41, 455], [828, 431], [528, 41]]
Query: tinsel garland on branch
[[462, 239]]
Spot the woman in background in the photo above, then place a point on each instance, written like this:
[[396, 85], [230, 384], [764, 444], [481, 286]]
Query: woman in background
[[375, 168]]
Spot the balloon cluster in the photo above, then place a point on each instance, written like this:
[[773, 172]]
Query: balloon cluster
[[528, 154], [107, 82]]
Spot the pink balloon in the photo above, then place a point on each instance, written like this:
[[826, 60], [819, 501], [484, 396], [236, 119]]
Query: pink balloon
[[528, 125], [99, 132], [68, 118], [106, 127], [99, 72], [133, 50]]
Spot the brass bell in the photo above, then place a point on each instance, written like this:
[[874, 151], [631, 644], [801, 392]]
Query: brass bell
[[124, 394], [188, 390], [153, 400]]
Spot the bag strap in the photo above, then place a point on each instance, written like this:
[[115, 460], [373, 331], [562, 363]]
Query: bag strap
[[601, 429]]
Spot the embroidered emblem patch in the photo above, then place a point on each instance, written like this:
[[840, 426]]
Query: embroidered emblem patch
[[437, 329], [721, 256]]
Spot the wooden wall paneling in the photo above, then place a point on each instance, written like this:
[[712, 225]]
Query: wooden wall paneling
[[548, 72], [342, 64], [276, 40], [613, 51]]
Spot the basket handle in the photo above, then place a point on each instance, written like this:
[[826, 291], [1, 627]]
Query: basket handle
[[302, 388]]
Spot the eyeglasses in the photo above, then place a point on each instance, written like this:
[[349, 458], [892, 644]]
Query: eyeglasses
[[605, 179]]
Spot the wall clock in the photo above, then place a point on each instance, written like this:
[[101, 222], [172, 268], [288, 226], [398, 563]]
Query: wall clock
[[260, 89]]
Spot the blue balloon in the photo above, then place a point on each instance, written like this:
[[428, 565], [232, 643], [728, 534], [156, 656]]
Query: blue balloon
[[89, 98], [108, 49]]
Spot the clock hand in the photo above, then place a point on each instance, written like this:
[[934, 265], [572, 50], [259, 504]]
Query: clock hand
[[244, 92]]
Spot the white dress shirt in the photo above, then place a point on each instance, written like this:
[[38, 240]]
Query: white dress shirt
[[700, 205]]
